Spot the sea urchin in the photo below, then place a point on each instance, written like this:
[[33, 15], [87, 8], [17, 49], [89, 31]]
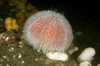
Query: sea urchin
[[48, 31]]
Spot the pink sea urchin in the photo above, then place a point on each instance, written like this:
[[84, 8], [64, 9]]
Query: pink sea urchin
[[48, 31]]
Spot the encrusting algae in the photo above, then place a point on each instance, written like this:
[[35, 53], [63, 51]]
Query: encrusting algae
[[30, 10], [8, 25], [21, 17], [20, 3], [14, 24], [11, 23]]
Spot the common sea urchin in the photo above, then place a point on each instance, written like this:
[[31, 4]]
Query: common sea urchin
[[48, 31]]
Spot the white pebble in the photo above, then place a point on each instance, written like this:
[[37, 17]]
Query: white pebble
[[57, 56], [85, 63], [86, 54]]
